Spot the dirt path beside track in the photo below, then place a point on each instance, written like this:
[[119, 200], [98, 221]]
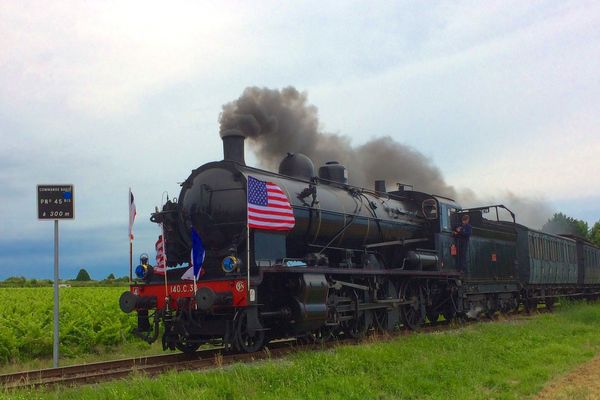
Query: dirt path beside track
[[583, 383]]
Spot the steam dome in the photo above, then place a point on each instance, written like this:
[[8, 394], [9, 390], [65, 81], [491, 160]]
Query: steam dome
[[297, 165]]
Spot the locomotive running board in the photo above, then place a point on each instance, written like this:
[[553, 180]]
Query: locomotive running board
[[396, 242], [357, 271]]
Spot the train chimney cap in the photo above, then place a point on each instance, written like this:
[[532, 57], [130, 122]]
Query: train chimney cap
[[233, 146], [232, 132]]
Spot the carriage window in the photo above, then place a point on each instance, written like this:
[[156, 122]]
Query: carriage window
[[530, 242], [559, 254], [559, 251]]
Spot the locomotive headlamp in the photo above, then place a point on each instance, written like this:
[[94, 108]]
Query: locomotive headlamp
[[144, 271], [230, 264], [141, 271]]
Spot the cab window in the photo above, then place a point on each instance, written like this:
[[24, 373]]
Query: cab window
[[446, 216]]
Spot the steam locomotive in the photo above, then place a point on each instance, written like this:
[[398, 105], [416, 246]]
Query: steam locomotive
[[355, 259]]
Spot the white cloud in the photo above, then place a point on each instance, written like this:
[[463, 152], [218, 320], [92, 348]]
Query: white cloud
[[557, 161], [102, 58], [107, 95]]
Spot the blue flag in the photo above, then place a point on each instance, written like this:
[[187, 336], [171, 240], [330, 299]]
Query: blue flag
[[198, 252]]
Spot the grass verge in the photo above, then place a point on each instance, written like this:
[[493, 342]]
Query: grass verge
[[100, 353], [502, 360]]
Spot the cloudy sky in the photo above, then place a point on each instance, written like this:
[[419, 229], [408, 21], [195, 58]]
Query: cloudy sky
[[503, 96]]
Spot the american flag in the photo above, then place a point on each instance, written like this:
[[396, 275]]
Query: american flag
[[161, 258], [268, 207]]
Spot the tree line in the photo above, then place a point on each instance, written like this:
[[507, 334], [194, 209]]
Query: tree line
[[561, 224], [82, 278]]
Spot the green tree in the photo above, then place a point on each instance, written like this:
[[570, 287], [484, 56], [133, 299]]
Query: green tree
[[111, 277], [83, 275], [16, 281], [595, 234], [562, 224]]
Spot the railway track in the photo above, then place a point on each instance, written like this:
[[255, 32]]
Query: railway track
[[203, 359]]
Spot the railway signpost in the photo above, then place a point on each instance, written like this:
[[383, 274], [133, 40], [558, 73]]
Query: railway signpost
[[55, 202]]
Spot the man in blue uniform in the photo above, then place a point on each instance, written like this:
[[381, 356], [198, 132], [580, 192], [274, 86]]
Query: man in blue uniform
[[462, 234]]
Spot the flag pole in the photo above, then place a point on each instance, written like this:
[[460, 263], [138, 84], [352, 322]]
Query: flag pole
[[162, 232], [195, 289], [248, 256], [193, 269], [130, 241], [130, 261], [247, 241]]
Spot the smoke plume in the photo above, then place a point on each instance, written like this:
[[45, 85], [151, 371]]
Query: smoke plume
[[281, 121]]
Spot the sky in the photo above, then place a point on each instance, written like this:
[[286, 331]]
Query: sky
[[503, 96]]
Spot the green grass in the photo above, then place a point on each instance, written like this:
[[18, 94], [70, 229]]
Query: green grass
[[90, 322], [501, 360], [136, 348]]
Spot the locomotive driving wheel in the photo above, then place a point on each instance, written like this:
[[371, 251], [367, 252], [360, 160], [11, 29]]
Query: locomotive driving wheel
[[385, 319], [361, 321], [245, 341], [413, 313], [357, 328]]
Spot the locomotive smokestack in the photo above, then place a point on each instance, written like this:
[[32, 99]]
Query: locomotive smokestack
[[233, 146], [380, 186]]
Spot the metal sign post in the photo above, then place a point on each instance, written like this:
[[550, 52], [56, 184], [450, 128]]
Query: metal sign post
[[56, 337], [55, 202]]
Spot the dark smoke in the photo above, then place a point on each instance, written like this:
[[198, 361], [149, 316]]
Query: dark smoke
[[532, 212], [281, 121]]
